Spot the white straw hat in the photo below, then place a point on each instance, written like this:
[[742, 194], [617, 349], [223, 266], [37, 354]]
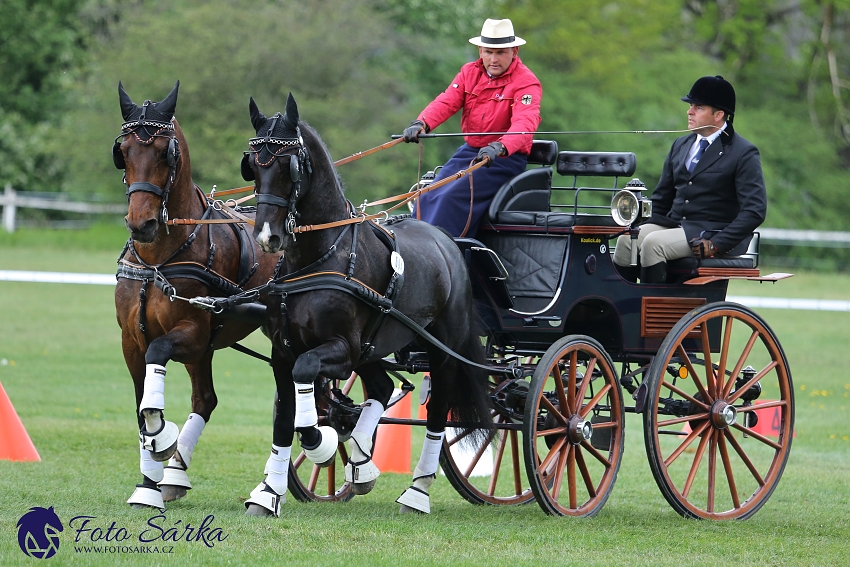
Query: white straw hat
[[497, 33]]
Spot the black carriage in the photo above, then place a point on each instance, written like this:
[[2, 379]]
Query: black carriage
[[574, 347]]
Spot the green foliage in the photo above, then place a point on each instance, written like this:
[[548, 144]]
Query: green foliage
[[41, 46], [361, 70]]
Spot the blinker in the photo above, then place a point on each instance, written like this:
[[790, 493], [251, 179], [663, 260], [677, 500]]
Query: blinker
[[247, 170]]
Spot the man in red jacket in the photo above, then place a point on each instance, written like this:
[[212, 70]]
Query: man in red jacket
[[497, 94]]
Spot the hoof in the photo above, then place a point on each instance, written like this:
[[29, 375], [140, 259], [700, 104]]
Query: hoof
[[323, 454], [408, 510], [264, 501], [145, 498], [171, 493], [257, 510], [363, 487], [162, 444], [414, 500]]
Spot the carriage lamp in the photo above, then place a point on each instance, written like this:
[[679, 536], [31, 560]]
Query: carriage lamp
[[629, 205], [624, 208]]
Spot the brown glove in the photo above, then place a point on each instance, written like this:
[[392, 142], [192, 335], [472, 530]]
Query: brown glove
[[703, 248]]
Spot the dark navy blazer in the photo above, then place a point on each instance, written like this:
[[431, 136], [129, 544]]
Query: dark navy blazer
[[725, 194]]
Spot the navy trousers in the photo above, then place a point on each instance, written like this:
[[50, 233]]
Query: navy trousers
[[448, 206]]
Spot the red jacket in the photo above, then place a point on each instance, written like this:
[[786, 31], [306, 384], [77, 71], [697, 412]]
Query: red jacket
[[508, 103]]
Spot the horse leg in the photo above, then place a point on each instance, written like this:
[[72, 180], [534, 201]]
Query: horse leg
[[329, 359], [157, 435], [147, 493], [175, 482], [416, 497], [266, 499], [360, 471]]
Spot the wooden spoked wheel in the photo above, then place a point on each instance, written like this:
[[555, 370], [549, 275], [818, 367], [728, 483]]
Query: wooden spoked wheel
[[718, 371], [311, 483], [574, 420], [489, 471]]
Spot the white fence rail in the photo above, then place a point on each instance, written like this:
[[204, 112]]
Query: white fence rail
[[11, 200]]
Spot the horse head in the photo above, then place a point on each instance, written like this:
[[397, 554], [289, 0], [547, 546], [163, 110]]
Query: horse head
[[152, 152], [278, 162]]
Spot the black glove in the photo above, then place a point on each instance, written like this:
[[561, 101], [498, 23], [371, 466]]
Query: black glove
[[703, 248], [490, 151], [411, 133]]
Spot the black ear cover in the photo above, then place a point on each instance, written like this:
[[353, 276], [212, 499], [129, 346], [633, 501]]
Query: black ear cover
[[173, 153], [247, 170], [294, 169], [118, 156]]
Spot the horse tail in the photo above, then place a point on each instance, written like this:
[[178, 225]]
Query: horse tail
[[468, 393]]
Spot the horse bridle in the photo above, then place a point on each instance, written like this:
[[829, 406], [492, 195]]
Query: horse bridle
[[299, 169], [172, 156]]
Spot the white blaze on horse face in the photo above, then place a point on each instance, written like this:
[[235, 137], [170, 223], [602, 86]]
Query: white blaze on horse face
[[263, 238]]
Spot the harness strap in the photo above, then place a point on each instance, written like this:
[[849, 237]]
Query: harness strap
[[338, 282]]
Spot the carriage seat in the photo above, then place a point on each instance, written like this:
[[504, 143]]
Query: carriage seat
[[530, 190], [685, 268], [525, 200]]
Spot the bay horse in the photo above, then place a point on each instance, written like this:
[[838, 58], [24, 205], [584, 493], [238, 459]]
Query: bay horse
[[180, 261], [408, 265]]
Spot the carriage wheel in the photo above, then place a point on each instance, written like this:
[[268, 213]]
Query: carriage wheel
[[311, 483], [574, 420], [489, 472], [717, 367]]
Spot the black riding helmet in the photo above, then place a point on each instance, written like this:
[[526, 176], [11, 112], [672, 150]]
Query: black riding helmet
[[713, 91]]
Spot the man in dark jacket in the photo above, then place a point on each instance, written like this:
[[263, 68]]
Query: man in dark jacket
[[497, 94], [711, 195]]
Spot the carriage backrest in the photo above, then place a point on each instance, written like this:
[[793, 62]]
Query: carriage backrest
[[597, 164]]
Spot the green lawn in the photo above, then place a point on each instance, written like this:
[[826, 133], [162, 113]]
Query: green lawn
[[66, 377]]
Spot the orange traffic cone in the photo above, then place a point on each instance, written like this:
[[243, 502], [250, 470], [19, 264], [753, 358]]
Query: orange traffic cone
[[392, 444], [15, 443]]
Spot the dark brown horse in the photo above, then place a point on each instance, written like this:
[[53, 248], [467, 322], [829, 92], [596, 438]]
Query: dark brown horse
[[342, 303], [162, 264]]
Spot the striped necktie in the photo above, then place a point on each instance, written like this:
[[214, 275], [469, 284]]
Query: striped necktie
[[703, 144]]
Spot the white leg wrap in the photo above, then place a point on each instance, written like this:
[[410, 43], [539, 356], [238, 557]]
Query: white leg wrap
[[370, 414], [144, 496], [429, 460], [416, 497], [267, 498], [305, 406], [189, 436], [150, 468], [360, 469], [154, 390], [323, 454], [277, 468]]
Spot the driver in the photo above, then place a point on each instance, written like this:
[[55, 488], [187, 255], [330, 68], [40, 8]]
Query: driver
[[710, 197], [497, 94]]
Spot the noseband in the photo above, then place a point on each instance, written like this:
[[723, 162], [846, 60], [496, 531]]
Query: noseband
[[299, 169], [172, 156]]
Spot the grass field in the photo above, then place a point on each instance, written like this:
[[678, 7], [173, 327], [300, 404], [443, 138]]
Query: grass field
[[66, 377]]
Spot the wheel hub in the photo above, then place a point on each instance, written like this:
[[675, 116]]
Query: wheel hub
[[579, 430], [723, 414]]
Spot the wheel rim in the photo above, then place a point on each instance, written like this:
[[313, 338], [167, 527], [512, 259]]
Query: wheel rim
[[491, 472], [575, 422], [704, 452]]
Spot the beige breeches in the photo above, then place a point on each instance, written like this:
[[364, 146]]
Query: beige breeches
[[655, 244]]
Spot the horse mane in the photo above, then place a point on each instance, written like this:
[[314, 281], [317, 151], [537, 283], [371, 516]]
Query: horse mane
[[317, 147]]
